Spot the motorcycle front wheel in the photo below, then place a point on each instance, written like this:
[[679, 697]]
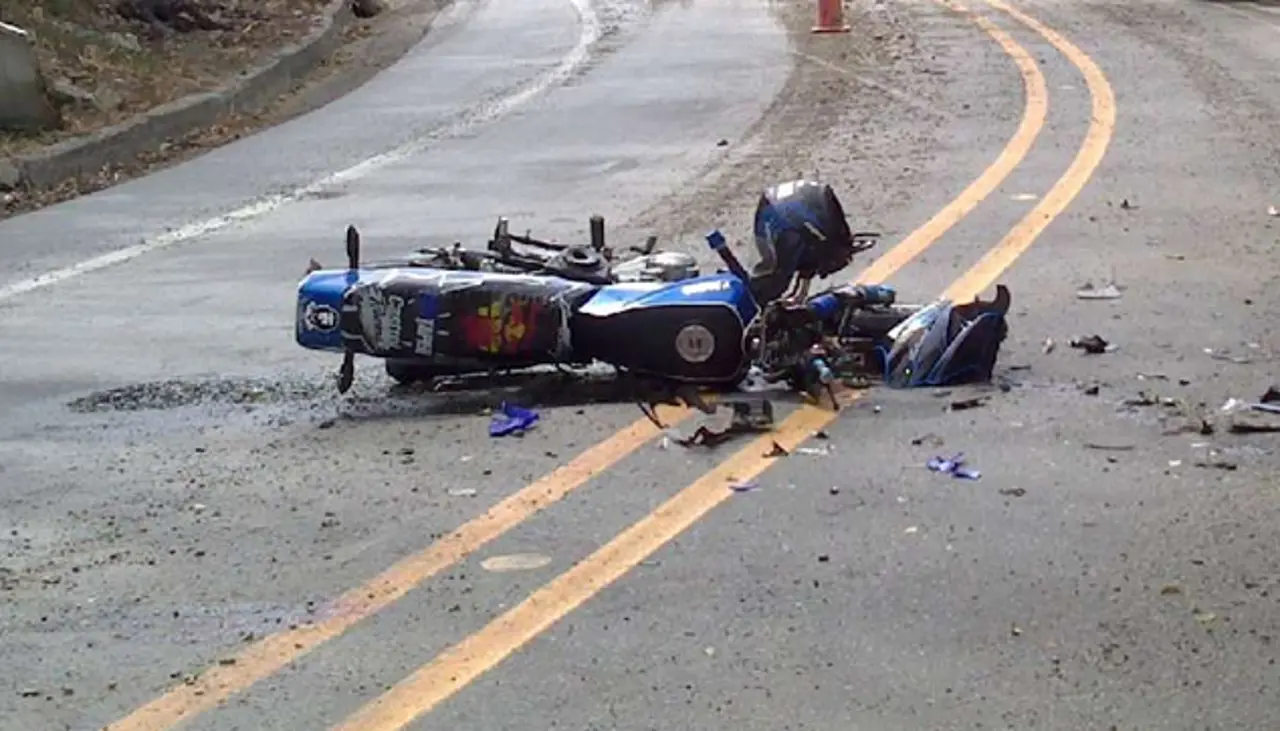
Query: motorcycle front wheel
[[407, 373]]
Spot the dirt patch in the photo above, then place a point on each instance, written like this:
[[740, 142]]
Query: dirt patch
[[106, 68]]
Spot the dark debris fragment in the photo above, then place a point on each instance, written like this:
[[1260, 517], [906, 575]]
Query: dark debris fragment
[[1091, 344]]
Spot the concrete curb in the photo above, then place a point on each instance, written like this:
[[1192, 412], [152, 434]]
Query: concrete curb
[[124, 142]]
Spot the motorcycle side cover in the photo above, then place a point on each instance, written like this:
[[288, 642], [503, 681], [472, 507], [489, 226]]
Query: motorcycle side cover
[[440, 316], [945, 344]]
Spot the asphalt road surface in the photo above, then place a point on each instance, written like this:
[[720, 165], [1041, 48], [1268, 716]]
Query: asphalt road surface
[[198, 534]]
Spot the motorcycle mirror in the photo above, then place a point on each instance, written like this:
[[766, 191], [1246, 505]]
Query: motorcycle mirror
[[650, 244], [501, 241], [718, 244], [353, 248]]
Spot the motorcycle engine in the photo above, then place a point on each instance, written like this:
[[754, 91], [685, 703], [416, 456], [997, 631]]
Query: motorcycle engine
[[667, 266], [780, 340]]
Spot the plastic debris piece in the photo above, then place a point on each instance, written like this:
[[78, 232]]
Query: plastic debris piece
[[1109, 447], [777, 450], [969, 403], [815, 451], [1089, 292], [511, 419], [728, 420], [515, 562], [1271, 396], [953, 466], [744, 486]]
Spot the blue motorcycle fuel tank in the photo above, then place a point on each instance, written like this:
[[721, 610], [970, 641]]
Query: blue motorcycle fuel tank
[[687, 330]]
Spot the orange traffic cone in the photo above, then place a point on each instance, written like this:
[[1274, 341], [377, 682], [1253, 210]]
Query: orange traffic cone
[[831, 17]]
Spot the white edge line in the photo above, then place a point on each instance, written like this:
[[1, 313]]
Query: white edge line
[[589, 33]]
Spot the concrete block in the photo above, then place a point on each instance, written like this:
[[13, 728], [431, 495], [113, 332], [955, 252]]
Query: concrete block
[[23, 102]]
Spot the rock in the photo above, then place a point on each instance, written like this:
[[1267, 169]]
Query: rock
[[10, 176], [66, 94], [367, 8], [124, 41]]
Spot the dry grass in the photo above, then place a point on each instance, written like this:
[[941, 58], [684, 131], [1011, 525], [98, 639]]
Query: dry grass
[[128, 68]]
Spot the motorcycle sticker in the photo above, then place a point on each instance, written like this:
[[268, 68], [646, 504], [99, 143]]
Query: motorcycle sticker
[[507, 324], [381, 318], [425, 339], [695, 343], [322, 318], [717, 285], [425, 330]]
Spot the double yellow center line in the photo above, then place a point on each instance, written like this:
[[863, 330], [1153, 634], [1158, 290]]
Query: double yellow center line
[[462, 663]]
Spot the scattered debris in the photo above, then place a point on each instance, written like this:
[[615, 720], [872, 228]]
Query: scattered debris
[[815, 451], [1227, 357], [1271, 396], [1170, 590], [1242, 425], [511, 419], [726, 421], [1273, 211], [953, 466], [1205, 617], [747, 486], [1217, 464], [1109, 447], [462, 492], [1048, 346], [1253, 418], [933, 440], [1106, 292], [777, 451], [911, 529], [515, 562], [1092, 344], [969, 403], [1013, 491]]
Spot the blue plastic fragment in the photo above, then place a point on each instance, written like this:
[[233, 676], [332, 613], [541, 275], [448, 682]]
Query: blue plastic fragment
[[954, 466], [511, 419]]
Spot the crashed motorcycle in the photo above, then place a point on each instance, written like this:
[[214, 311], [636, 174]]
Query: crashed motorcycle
[[523, 303]]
